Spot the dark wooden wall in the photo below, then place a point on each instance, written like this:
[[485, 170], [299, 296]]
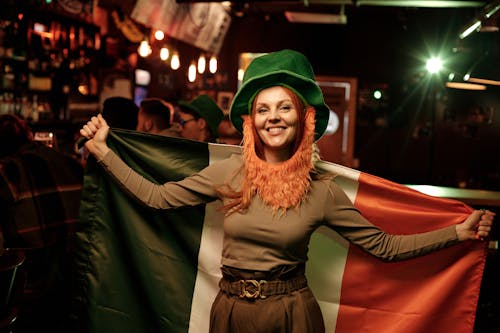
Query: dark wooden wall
[[419, 132]]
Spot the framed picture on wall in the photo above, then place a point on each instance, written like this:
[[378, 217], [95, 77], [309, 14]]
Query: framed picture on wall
[[224, 99]]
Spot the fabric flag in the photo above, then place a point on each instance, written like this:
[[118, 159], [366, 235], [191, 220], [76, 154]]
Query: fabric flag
[[144, 270]]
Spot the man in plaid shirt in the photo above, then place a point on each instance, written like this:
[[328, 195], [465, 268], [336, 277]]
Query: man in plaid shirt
[[40, 190]]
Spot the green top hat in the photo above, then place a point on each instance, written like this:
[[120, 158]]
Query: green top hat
[[206, 108], [285, 68]]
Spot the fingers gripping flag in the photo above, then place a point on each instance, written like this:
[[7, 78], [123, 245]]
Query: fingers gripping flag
[[144, 270]]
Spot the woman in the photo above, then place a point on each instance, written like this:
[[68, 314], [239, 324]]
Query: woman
[[274, 200]]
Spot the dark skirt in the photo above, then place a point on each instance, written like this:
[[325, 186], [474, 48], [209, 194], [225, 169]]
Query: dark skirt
[[294, 312]]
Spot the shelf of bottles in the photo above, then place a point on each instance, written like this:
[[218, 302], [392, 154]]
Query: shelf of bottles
[[45, 61]]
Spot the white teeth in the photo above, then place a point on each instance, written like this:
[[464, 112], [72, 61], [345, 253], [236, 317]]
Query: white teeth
[[275, 129]]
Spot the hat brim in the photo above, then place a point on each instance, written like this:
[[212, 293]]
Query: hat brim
[[307, 89], [189, 107]]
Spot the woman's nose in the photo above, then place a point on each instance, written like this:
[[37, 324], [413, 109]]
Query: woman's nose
[[274, 115]]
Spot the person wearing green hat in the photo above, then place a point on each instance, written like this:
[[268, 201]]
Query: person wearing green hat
[[274, 199], [200, 119]]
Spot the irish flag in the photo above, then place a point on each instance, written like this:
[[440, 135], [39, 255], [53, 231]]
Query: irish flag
[[144, 270]]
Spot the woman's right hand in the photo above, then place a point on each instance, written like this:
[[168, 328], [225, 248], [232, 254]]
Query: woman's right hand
[[96, 131]]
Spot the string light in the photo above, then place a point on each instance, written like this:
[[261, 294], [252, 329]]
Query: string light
[[202, 64], [192, 72], [212, 64], [159, 35], [164, 53], [144, 49], [175, 62]]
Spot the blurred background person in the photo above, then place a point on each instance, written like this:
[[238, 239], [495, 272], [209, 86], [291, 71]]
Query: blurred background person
[[40, 190], [122, 112], [200, 119], [156, 116], [228, 134]]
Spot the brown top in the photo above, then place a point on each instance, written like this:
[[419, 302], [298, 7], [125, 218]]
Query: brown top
[[257, 239]]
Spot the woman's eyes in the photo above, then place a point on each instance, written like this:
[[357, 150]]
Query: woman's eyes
[[282, 108]]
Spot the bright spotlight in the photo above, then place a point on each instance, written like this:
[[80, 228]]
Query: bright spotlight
[[434, 65]]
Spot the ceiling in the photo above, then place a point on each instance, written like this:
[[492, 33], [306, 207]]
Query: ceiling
[[358, 3], [336, 11], [271, 6]]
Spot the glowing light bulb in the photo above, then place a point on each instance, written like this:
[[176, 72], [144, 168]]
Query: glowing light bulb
[[175, 62], [212, 64], [159, 35], [192, 72], [164, 53], [144, 49], [202, 64]]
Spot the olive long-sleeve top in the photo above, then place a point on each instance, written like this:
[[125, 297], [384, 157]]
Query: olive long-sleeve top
[[257, 239]]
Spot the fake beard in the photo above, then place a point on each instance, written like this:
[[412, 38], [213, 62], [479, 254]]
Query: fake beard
[[282, 185]]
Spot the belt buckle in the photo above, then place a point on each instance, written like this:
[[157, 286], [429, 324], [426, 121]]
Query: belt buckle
[[257, 293]]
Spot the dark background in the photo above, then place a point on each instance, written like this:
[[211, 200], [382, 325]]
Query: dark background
[[420, 132]]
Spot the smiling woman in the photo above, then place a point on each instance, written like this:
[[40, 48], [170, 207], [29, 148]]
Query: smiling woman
[[273, 199]]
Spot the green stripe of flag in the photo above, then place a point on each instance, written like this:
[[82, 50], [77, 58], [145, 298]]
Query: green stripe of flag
[[136, 268]]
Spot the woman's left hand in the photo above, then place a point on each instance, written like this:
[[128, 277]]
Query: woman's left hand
[[477, 226]]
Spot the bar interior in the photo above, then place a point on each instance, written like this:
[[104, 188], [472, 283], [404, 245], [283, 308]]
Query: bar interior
[[414, 88]]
